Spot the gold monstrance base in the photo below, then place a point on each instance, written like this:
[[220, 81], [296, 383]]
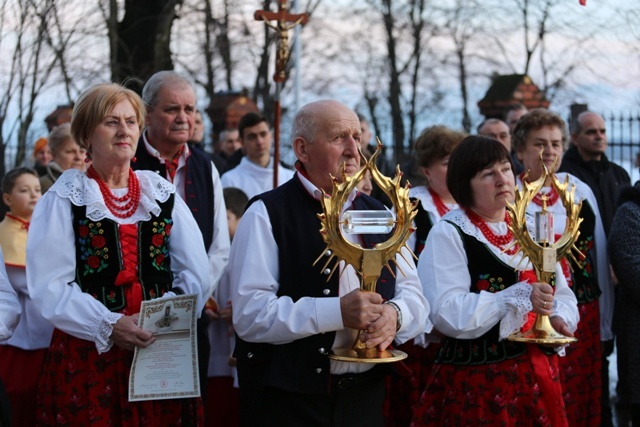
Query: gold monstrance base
[[542, 333], [350, 355]]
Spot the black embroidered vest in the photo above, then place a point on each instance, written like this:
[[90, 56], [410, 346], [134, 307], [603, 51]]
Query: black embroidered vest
[[302, 365], [99, 257], [423, 227], [585, 282], [490, 274], [198, 191]]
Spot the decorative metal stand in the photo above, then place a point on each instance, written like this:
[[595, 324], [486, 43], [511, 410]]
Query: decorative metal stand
[[367, 262], [543, 251]]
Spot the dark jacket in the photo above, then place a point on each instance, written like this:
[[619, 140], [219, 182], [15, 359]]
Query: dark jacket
[[624, 252], [606, 179], [198, 185]]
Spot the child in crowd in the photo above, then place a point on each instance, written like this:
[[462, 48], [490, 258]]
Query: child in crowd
[[23, 354], [221, 408]]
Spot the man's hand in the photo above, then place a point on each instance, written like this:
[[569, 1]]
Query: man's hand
[[128, 335], [360, 309], [381, 332]]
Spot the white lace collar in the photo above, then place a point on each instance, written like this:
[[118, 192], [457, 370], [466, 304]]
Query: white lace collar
[[460, 218], [83, 191], [422, 193]]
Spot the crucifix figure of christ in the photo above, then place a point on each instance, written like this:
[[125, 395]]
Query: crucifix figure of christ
[[283, 23]]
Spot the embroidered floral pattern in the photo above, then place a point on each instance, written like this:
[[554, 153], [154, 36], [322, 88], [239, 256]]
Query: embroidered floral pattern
[[584, 260], [159, 248], [490, 284], [93, 250]]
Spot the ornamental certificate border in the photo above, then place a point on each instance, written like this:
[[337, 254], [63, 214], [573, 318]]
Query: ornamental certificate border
[[168, 368]]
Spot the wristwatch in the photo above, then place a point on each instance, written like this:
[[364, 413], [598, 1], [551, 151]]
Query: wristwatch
[[398, 312]]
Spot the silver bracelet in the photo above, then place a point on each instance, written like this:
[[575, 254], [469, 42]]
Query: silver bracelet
[[398, 312]]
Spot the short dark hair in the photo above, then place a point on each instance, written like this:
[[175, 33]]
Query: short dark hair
[[577, 123], [250, 119], [490, 121], [235, 200], [534, 120], [471, 156], [10, 178]]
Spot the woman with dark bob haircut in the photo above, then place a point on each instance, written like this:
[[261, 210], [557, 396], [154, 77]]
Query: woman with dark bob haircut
[[482, 290]]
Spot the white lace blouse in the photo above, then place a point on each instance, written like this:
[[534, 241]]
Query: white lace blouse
[[51, 257], [455, 310]]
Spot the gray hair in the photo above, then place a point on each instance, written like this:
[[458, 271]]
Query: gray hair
[[157, 82], [304, 125], [59, 136]]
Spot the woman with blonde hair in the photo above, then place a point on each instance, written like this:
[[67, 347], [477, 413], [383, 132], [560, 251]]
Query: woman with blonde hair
[[120, 237]]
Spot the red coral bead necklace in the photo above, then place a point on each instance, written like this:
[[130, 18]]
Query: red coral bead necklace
[[552, 196], [498, 241], [437, 201], [121, 207]]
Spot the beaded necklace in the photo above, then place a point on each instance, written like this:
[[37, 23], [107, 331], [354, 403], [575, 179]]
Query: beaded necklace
[[437, 200], [121, 207], [552, 196], [498, 241]]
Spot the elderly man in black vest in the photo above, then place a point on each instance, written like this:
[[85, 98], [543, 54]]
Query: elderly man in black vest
[[287, 315], [171, 107]]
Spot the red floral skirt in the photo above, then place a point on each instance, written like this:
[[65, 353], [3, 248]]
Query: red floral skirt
[[580, 370], [20, 372], [508, 393], [80, 387], [403, 390]]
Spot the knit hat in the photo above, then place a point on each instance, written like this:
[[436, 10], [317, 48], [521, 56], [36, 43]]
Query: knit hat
[[39, 145]]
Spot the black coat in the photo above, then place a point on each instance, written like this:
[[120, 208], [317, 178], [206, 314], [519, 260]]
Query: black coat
[[624, 253]]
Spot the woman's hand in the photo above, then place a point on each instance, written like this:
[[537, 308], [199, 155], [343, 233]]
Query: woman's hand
[[127, 334], [560, 326], [542, 298]]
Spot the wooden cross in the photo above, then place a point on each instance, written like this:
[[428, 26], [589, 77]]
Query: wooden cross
[[284, 22]]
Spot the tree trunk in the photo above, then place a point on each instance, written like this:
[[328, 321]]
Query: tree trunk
[[142, 41], [395, 90]]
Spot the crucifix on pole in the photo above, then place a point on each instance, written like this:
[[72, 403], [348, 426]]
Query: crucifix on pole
[[283, 23]]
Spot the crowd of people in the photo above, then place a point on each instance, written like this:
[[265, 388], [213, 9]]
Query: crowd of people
[[123, 205]]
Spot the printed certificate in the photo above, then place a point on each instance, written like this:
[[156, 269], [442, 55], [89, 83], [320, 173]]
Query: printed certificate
[[168, 368]]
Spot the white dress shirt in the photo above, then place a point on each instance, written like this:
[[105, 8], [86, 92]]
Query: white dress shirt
[[9, 305], [51, 255], [218, 252], [422, 193], [601, 258], [254, 179], [459, 313], [33, 331], [259, 315]]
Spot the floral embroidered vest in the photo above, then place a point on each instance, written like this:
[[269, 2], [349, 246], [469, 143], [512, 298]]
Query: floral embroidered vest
[[490, 274], [99, 256], [585, 284]]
